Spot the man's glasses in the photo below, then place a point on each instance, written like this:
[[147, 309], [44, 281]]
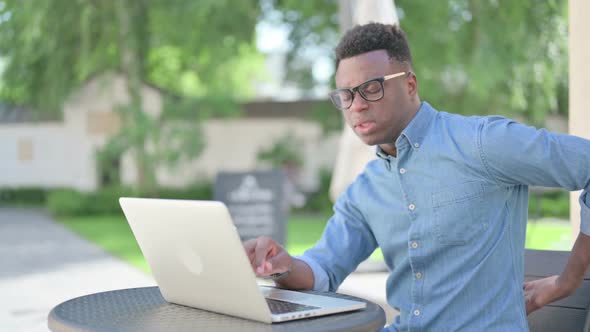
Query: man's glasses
[[371, 90]]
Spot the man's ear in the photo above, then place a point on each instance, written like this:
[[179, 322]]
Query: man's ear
[[412, 84]]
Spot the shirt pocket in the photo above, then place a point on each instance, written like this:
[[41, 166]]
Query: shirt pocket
[[458, 213]]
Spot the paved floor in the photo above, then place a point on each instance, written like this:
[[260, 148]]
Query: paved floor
[[44, 264]]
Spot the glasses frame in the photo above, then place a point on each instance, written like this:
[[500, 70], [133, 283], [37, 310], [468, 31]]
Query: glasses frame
[[352, 91]]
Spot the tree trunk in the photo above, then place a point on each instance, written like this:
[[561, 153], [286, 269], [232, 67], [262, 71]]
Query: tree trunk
[[133, 45]]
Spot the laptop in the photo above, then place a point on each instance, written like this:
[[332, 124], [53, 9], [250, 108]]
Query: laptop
[[198, 260]]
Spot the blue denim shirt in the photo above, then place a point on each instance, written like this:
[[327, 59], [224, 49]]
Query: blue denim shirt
[[450, 213]]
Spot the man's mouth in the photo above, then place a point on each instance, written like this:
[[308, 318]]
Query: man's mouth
[[365, 127]]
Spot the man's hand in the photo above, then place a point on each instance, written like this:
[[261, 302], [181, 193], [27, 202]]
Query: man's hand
[[267, 257], [540, 292]]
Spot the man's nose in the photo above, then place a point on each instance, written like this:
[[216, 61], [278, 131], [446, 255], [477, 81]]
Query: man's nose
[[359, 103]]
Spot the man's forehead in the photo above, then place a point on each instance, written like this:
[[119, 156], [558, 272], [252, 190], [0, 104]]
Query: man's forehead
[[359, 68]]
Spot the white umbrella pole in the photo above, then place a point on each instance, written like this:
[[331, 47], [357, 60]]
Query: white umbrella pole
[[353, 154]]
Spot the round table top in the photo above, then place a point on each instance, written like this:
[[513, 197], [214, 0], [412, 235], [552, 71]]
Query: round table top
[[144, 309]]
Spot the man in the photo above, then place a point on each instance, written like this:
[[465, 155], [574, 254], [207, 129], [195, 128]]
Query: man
[[446, 201]]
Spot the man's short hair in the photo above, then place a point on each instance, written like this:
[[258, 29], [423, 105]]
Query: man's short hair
[[371, 37]]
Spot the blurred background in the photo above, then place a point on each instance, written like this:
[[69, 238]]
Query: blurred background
[[153, 98]]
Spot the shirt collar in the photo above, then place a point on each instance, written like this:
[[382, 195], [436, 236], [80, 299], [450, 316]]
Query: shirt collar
[[381, 154], [415, 131]]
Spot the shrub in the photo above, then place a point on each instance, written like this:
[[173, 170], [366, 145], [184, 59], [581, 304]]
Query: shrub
[[201, 191], [106, 200], [23, 196], [69, 202], [66, 202], [319, 202], [551, 204]]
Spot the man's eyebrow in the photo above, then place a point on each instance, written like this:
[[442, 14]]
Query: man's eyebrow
[[377, 76]]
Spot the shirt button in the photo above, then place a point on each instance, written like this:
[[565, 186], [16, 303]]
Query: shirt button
[[416, 312], [402, 171], [412, 207], [416, 145], [414, 245], [418, 275]]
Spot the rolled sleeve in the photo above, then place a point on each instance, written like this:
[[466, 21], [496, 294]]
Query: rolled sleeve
[[321, 282], [513, 153], [585, 213]]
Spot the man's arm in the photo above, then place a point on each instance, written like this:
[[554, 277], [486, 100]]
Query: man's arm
[[517, 154], [346, 241], [577, 265], [540, 292], [300, 276]]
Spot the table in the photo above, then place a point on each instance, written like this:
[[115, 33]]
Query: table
[[144, 309]]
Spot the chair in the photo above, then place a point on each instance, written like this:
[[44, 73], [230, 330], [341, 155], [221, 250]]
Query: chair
[[570, 314]]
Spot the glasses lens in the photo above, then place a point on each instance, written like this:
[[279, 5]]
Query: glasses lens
[[342, 99], [372, 90]]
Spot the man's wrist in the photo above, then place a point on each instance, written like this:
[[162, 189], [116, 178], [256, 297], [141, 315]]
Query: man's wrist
[[566, 285], [281, 275]]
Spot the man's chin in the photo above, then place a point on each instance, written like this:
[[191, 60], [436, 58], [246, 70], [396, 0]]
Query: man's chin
[[369, 138], [371, 141]]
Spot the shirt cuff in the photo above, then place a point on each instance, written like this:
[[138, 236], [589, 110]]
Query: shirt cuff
[[320, 277], [585, 213]]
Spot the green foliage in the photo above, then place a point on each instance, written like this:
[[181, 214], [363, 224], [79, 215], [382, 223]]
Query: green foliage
[[190, 49], [470, 57], [314, 25], [27, 196], [489, 57], [199, 108], [329, 118], [284, 152], [68, 202], [319, 202], [203, 191], [553, 204]]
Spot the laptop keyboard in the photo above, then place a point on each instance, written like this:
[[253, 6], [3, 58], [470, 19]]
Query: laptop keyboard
[[281, 307]]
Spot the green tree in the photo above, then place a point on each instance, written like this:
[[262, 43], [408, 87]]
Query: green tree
[[200, 50], [285, 152], [482, 57], [471, 56]]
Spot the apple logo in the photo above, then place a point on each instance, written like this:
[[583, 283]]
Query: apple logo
[[191, 260]]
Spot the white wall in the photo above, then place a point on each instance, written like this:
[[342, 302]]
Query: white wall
[[59, 157], [64, 153], [232, 145]]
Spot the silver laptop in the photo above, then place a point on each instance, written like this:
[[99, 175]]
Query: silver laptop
[[198, 260]]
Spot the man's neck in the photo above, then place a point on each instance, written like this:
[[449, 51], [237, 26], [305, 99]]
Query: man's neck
[[390, 149]]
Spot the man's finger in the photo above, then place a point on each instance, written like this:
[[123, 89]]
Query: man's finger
[[261, 251], [251, 258], [250, 245]]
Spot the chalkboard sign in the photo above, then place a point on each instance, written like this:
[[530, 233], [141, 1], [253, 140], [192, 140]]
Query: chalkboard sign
[[256, 202]]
